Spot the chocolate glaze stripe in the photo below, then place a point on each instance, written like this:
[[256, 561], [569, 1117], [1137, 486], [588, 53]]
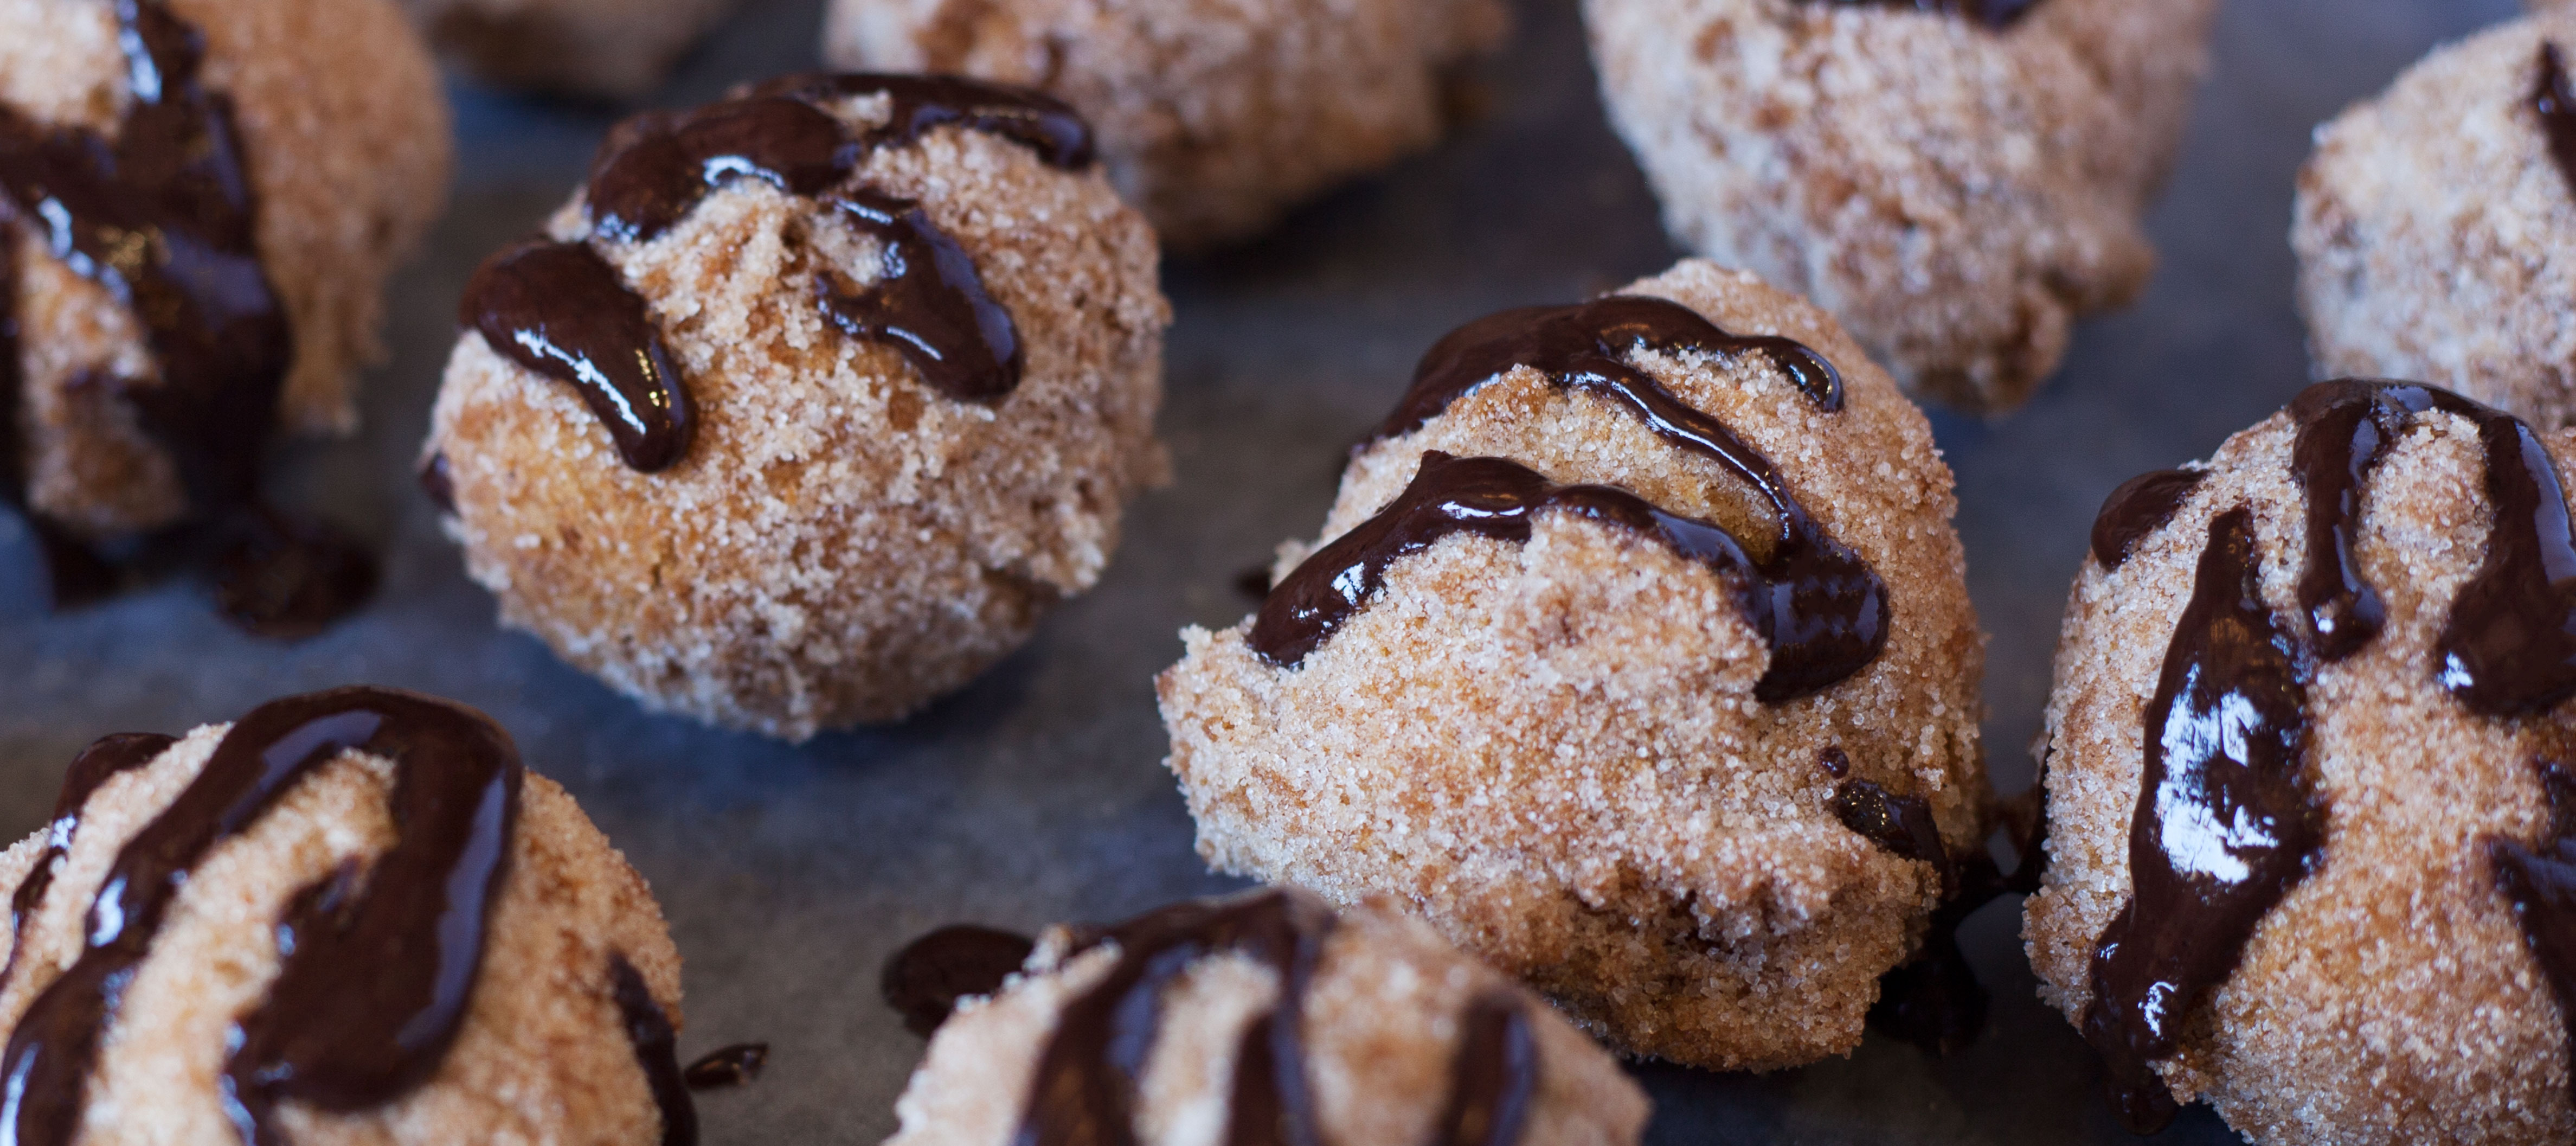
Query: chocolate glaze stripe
[[2225, 825], [935, 309], [2540, 882], [102, 761], [1493, 1081], [361, 1010], [918, 104], [648, 1029], [2554, 101], [561, 311], [1994, 14], [655, 168], [175, 174], [2509, 644], [1823, 619], [2140, 506], [1822, 609]]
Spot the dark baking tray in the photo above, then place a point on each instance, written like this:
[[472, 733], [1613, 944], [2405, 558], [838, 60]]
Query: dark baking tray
[[1038, 794]]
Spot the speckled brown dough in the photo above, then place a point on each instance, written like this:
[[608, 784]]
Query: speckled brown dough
[[1214, 116], [2460, 278], [348, 146], [1552, 751], [2389, 998], [1381, 1026], [543, 1054], [606, 49], [841, 543], [1956, 195]]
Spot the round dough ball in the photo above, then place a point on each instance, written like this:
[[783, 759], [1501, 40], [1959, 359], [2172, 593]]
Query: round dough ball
[[1385, 1021], [2389, 996], [543, 1053], [1553, 750], [347, 150], [1955, 194], [599, 49], [842, 542], [1214, 118], [2430, 225]]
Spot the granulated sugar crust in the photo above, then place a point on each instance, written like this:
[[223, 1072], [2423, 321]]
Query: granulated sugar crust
[[2432, 226], [2389, 998], [1381, 1022], [348, 151], [601, 49], [1214, 116], [1551, 750], [1954, 194], [542, 1055], [842, 543]]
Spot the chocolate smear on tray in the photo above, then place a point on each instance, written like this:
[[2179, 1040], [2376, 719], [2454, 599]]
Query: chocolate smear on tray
[[373, 984], [2540, 881], [1820, 609], [2140, 506], [726, 1067], [2225, 825], [924, 980], [164, 218]]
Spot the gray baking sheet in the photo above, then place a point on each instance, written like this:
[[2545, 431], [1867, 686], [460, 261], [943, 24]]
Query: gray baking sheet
[[1038, 794]]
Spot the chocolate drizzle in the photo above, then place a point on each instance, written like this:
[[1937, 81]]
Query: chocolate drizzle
[[558, 309], [1820, 607], [2540, 882], [163, 218], [372, 983], [1824, 615], [2509, 645], [1084, 1091], [1994, 14], [2140, 506], [648, 1029], [2225, 825], [2554, 101], [924, 980], [92, 769]]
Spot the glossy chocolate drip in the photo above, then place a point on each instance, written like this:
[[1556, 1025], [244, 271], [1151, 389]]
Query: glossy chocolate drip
[[726, 1067], [164, 218], [648, 1029], [2554, 101], [2140, 506], [1822, 609], [368, 998], [1932, 1000], [1822, 612], [1493, 1081], [560, 310], [656, 167], [2225, 824], [1994, 14], [929, 302], [924, 980], [94, 767], [2509, 645], [2540, 881], [1084, 1090], [1902, 825], [918, 104]]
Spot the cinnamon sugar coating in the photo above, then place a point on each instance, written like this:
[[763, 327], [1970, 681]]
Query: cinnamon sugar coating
[[841, 543], [599, 49], [1956, 195], [2389, 996], [1552, 751], [2431, 225], [348, 150], [1214, 116], [1382, 1023], [542, 1054]]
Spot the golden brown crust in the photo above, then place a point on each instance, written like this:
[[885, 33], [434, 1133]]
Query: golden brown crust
[[1214, 116], [347, 136], [543, 1053], [1957, 196], [1382, 1024], [1551, 750], [841, 544], [2389, 998], [2431, 227]]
